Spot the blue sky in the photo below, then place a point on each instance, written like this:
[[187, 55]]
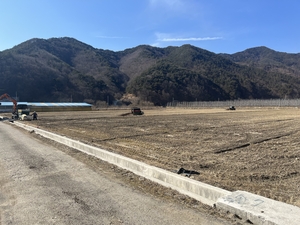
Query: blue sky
[[220, 26]]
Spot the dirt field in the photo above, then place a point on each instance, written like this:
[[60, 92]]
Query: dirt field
[[251, 149]]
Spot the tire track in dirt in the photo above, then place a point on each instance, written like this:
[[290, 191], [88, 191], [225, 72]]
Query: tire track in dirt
[[257, 141]]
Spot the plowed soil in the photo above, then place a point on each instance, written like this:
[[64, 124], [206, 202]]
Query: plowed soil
[[250, 149]]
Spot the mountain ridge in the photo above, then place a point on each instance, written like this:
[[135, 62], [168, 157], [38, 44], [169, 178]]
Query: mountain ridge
[[55, 69]]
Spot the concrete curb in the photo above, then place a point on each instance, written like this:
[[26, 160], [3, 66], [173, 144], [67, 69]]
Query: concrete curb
[[259, 210], [254, 208], [202, 192]]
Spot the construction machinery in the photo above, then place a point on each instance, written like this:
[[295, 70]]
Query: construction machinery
[[231, 107], [18, 109], [136, 111], [23, 109], [15, 107]]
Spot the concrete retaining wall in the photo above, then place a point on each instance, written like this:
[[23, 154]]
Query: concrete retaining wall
[[254, 208]]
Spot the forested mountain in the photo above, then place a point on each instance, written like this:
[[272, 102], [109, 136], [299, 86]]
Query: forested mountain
[[268, 59], [61, 69], [58, 69]]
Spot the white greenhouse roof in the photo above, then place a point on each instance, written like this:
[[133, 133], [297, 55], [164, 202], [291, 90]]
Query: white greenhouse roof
[[50, 104]]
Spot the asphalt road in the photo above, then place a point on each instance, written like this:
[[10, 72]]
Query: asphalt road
[[39, 184]]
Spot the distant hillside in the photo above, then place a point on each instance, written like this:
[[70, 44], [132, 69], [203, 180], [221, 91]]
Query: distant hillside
[[61, 69], [268, 59]]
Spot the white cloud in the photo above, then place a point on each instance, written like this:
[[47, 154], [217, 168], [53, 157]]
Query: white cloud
[[190, 39], [170, 3], [162, 37], [110, 37]]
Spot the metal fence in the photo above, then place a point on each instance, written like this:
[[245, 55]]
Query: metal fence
[[238, 103]]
